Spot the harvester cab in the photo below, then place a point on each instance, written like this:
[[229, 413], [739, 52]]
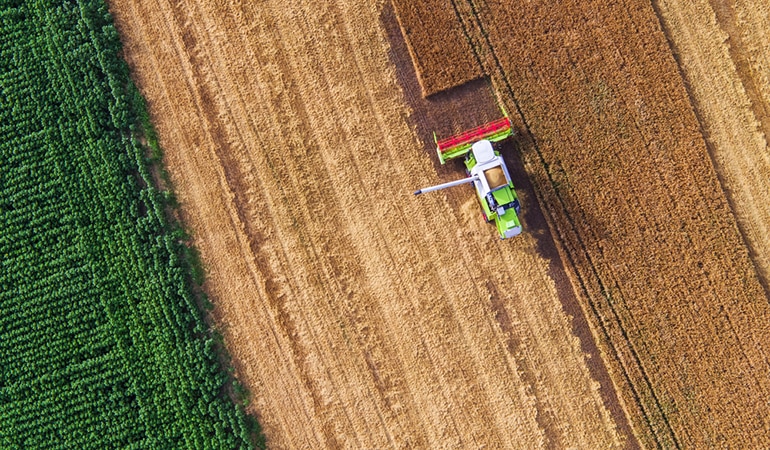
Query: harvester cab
[[487, 171]]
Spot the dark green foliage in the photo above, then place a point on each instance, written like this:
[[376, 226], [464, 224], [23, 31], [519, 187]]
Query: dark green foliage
[[102, 343]]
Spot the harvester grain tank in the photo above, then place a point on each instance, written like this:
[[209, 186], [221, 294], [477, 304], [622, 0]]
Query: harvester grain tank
[[486, 171]]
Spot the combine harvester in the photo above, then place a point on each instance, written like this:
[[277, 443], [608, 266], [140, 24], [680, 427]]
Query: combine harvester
[[487, 171]]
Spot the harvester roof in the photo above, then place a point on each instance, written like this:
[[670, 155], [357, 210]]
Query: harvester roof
[[483, 151]]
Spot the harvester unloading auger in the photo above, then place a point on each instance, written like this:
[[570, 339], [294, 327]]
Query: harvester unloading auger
[[487, 171]]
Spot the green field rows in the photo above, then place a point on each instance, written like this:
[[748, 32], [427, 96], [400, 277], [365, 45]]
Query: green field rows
[[102, 344]]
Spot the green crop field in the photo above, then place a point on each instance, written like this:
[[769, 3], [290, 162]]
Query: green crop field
[[102, 343]]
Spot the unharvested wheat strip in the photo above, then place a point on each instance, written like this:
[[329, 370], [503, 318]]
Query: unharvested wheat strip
[[738, 145], [706, 193], [441, 53]]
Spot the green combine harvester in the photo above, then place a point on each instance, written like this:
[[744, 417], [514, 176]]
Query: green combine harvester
[[487, 171]]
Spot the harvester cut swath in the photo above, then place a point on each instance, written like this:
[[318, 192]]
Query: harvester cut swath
[[487, 171]]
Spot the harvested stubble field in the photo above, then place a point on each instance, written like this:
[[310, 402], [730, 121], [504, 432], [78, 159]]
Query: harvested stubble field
[[670, 281], [357, 315]]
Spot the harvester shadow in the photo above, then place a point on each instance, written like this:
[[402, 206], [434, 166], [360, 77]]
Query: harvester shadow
[[533, 220], [535, 225]]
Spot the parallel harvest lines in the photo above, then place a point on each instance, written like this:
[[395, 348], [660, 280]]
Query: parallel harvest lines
[[358, 316]]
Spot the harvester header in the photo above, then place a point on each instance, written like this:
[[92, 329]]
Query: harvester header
[[460, 144]]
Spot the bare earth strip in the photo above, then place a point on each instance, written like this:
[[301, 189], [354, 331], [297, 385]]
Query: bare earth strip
[[721, 58], [624, 174], [358, 316]]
